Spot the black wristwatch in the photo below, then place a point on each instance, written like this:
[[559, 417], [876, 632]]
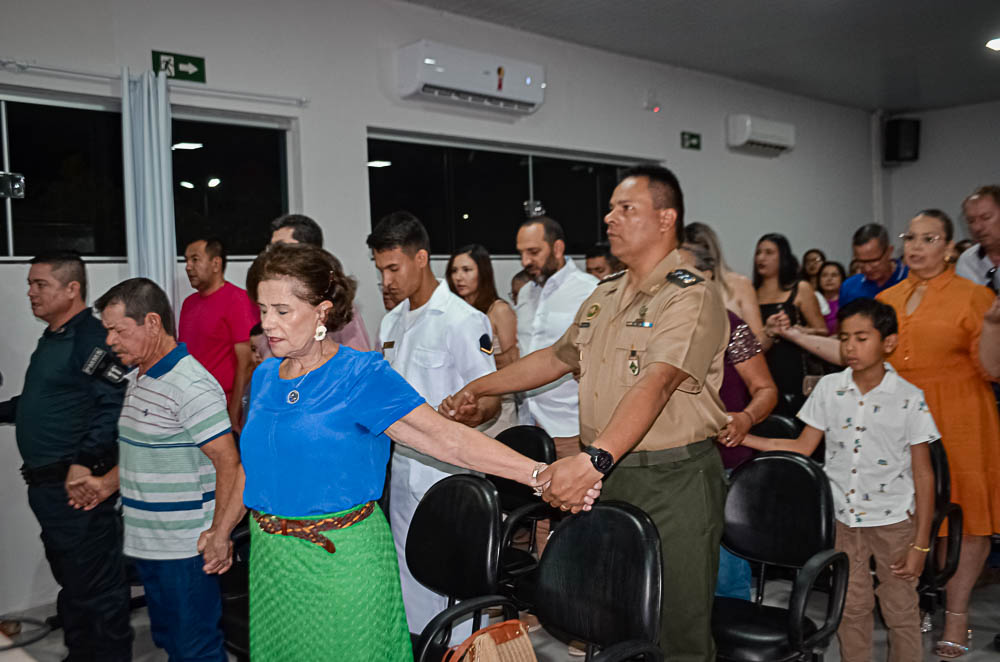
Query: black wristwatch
[[600, 458]]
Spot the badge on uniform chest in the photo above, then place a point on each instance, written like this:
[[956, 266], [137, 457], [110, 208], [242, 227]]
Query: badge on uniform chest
[[633, 363], [641, 320]]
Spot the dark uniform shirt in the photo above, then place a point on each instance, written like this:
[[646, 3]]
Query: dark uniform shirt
[[676, 317], [69, 408]]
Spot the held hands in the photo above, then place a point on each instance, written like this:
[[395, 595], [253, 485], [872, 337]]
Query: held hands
[[911, 565], [571, 484], [78, 493], [86, 492], [217, 550], [777, 324], [736, 430], [463, 407], [993, 313]]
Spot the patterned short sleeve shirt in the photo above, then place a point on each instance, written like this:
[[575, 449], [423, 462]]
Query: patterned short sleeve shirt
[[868, 439]]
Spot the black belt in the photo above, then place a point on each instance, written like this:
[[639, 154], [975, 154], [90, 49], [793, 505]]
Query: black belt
[[47, 474], [55, 473], [667, 455]]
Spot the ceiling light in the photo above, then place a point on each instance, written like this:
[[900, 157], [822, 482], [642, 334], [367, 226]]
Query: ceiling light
[[186, 146], [993, 44], [186, 185], [429, 60], [379, 164], [213, 182]]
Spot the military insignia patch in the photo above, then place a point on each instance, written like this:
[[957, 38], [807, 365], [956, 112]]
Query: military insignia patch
[[683, 278], [486, 344], [593, 311]]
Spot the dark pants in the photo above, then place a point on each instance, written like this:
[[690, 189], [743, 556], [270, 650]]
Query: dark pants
[[185, 606], [685, 499], [84, 550]]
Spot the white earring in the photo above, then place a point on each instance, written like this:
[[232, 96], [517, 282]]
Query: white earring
[[320, 333]]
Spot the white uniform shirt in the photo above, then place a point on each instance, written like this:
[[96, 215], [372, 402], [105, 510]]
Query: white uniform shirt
[[543, 315], [438, 348], [868, 439], [974, 264]]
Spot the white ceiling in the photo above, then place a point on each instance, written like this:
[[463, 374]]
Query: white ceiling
[[895, 55]]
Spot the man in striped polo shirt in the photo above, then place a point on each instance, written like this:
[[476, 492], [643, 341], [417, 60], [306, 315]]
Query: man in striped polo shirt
[[177, 469]]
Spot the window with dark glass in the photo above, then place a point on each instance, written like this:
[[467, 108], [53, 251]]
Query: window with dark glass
[[71, 160], [230, 181], [470, 195]]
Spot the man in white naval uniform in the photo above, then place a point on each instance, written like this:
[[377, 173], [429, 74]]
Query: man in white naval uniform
[[438, 343]]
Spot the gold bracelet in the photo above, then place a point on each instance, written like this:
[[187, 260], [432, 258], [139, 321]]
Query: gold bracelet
[[920, 549]]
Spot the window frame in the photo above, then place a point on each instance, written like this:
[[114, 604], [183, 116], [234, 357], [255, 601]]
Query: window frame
[[288, 123], [437, 140]]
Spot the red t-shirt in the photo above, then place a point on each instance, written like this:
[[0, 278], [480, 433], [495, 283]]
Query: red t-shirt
[[211, 326]]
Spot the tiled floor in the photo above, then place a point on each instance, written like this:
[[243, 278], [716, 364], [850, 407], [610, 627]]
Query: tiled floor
[[985, 623]]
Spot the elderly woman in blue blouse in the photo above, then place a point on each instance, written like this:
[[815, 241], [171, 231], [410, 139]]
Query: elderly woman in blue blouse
[[324, 583]]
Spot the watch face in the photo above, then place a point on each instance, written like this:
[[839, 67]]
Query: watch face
[[602, 461]]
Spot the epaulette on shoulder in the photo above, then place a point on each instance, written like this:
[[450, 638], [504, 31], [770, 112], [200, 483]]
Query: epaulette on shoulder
[[683, 278], [608, 279]]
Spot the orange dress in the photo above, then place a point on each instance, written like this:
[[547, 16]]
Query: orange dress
[[938, 352]]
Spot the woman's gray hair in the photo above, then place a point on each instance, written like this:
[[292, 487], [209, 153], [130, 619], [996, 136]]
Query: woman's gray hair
[[703, 259]]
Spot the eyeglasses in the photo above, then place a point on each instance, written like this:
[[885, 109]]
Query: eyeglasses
[[909, 238], [874, 260]]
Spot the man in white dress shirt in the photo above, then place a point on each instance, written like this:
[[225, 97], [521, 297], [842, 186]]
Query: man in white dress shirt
[[982, 212], [438, 343], [545, 308]]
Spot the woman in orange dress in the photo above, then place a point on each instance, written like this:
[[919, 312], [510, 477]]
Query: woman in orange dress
[[940, 322]]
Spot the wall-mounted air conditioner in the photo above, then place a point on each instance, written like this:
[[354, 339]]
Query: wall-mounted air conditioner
[[429, 70], [758, 135]]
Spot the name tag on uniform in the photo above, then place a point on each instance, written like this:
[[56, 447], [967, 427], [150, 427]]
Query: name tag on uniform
[[584, 325]]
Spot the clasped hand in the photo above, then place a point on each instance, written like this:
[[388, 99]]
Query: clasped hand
[[571, 484], [216, 550], [463, 407]]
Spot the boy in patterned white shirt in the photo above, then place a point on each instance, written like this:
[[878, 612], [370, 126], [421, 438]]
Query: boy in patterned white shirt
[[877, 427]]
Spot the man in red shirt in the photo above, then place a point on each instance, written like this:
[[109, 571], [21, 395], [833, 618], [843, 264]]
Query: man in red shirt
[[215, 322]]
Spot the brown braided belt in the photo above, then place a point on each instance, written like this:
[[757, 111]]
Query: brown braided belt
[[308, 529]]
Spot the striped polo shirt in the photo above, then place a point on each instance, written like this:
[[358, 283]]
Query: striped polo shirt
[[167, 482]]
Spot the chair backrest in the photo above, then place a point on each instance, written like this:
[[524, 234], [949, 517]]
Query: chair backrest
[[779, 510], [942, 477], [776, 427], [530, 441], [453, 545], [600, 578]]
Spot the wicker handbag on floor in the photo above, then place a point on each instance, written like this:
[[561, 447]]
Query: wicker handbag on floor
[[503, 642]]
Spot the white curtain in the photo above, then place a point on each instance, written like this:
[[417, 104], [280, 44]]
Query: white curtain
[[149, 197]]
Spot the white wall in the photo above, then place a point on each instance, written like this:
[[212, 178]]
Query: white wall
[[340, 55], [959, 151]]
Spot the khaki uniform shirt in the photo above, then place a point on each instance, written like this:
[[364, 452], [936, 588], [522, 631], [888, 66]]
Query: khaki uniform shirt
[[676, 317]]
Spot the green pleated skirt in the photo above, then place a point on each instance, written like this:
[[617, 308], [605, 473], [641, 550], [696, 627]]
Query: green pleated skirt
[[309, 604]]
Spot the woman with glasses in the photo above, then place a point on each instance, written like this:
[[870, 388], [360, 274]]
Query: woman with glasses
[[812, 260], [940, 323]]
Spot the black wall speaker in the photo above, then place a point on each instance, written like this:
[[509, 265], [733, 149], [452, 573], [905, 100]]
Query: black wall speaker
[[902, 140]]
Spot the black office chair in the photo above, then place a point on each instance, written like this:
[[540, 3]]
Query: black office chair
[[933, 579], [522, 510], [600, 581], [779, 512], [453, 548], [234, 585]]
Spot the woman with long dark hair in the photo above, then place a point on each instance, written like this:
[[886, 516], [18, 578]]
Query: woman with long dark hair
[[784, 300], [470, 275]]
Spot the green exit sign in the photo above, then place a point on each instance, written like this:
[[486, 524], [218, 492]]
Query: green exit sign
[[690, 140], [179, 67]]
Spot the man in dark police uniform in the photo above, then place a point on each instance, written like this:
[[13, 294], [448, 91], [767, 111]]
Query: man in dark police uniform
[[67, 427]]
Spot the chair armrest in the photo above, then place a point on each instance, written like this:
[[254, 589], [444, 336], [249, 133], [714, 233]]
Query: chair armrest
[[803, 587], [628, 650], [516, 516], [440, 626], [932, 578]]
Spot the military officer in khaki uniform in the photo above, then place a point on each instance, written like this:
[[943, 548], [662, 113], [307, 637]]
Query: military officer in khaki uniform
[[647, 346]]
